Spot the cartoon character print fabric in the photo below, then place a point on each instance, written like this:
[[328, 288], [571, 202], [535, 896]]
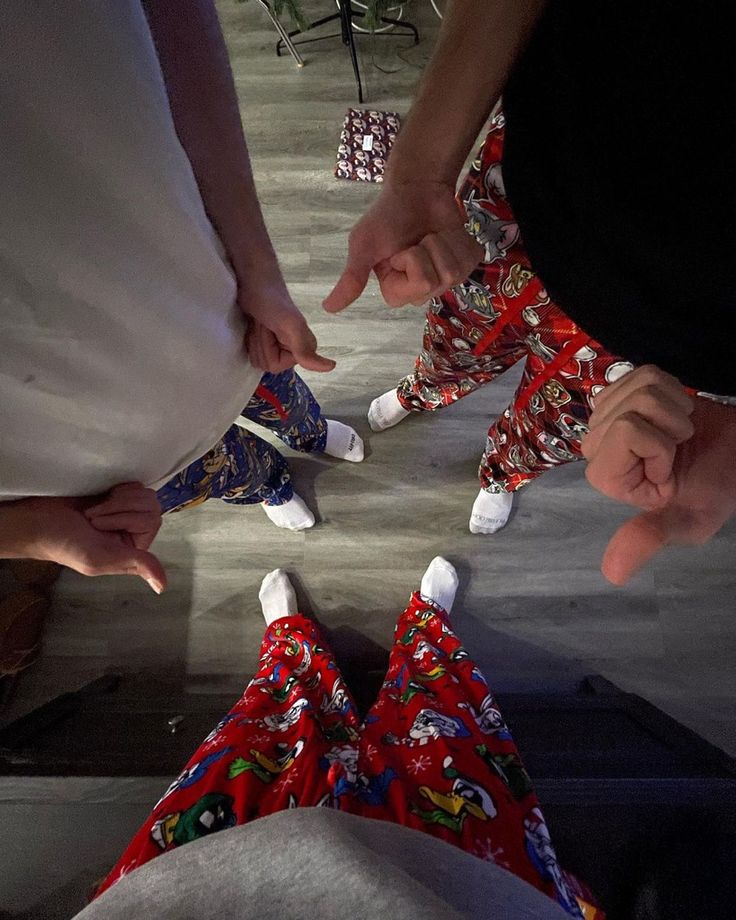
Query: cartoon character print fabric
[[433, 753], [365, 141], [499, 316], [242, 468]]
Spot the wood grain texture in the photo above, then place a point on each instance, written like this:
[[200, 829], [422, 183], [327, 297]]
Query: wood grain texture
[[533, 606]]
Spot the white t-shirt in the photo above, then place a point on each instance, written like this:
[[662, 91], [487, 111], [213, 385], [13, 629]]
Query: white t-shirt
[[121, 344]]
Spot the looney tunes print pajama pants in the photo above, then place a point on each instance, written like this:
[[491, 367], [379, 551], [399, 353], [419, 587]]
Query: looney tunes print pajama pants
[[502, 315], [243, 469], [433, 754]]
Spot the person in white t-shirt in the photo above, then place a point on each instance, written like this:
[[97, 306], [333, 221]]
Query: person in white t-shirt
[[140, 296]]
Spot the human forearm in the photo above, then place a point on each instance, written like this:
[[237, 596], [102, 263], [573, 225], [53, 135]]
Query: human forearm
[[413, 237], [19, 529], [204, 106], [478, 44]]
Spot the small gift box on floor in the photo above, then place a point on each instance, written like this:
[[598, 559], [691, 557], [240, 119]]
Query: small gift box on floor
[[365, 143]]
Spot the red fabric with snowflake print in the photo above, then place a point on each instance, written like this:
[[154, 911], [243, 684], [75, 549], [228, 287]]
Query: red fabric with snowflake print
[[433, 753]]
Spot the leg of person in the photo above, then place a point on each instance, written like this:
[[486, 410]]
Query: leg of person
[[241, 469], [448, 366], [466, 344], [265, 755], [505, 468], [275, 494], [547, 419], [437, 756], [285, 404]]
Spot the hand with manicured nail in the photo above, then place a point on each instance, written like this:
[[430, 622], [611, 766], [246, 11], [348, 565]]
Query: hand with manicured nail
[[652, 446]]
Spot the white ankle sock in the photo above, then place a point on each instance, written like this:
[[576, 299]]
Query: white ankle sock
[[491, 511], [386, 411], [292, 515], [343, 442], [439, 583], [277, 596]]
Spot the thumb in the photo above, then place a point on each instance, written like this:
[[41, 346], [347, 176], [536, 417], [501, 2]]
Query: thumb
[[311, 361], [350, 285], [151, 571], [131, 561], [633, 545], [302, 344]]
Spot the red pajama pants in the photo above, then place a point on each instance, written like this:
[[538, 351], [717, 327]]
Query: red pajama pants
[[502, 315], [433, 753]]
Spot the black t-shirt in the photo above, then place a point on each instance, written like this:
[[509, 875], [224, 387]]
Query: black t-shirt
[[620, 166]]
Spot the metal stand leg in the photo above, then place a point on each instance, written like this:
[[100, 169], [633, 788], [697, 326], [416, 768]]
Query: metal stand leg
[[348, 38], [345, 15], [313, 25], [409, 26], [285, 37]]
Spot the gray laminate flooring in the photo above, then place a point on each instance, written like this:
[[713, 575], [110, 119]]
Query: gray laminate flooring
[[533, 607]]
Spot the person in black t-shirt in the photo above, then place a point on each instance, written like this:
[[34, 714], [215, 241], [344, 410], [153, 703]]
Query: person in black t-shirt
[[500, 315], [618, 169]]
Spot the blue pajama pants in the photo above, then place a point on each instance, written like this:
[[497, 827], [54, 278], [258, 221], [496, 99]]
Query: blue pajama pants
[[242, 468]]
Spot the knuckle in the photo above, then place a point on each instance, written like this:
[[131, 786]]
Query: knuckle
[[651, 391], [647, 372], [595, 478], [649, 399], [650, 374], [356, 235], [625, 424]]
